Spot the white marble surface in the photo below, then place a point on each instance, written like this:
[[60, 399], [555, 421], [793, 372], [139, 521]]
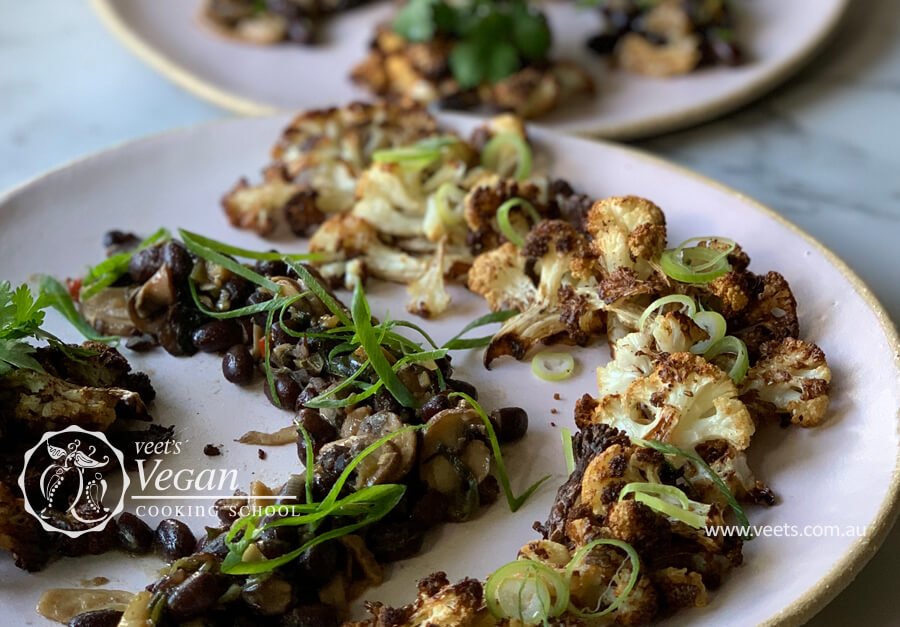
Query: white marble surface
[[823, 150]]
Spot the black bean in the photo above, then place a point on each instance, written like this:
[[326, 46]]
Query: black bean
[[394, 541], [237, 288], [194, 596], [144, 264], [317, 615], [176, 335], [97, 618], [314, 387], [174, 539], [287, 390], [254, 299], [238, 365], [463, 386], [272, 267], [277, 541], [436, 403], [320, 430], [135, 536], [217, 335], [214, 542], [318, 564], [179, 261], [604, 43], [510, 423], [488, 491], [280, 336]]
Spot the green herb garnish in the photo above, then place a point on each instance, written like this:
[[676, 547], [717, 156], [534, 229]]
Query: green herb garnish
[[457, 342], [514, 502], [668, 449], [112, 268], [493, 38]]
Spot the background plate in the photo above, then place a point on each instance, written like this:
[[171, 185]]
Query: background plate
[[843, 474], [780, 37]]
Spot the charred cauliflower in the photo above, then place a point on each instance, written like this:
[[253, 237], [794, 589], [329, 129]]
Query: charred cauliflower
[[790, 380], [689, 403], [316, 163], [552, 281]]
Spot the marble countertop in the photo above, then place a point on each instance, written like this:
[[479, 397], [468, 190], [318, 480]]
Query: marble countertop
[[823, 150]]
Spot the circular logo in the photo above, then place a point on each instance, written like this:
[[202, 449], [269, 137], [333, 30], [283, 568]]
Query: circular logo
[[74, 481]]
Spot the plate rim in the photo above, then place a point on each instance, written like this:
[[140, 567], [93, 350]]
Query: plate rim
[[653, 127], [849, 565]]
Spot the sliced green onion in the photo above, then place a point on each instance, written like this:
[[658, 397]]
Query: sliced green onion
[[686, 302], [732, 346], [249, 310], [362, 320], [441, 202], [692, 519], [210, 254], [491, 156], [417, 156], [514, 502], [715, 326], [526, 590], [687, 511], [506, 227], [110, 269], [309, 463], [668, 449], [342, 479], [267, 354], [458, 343], [632, 579], [696, 264], [553, 366], [390, 496], [245, 253], [52, 293], [568, 453]]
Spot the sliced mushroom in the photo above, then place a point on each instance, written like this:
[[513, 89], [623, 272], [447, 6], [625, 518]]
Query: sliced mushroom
[[452, 452], [108, 313], [388, 463], [156, 294]]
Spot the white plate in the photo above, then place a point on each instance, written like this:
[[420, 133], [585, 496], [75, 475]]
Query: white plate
[[844, 473], [780, 37]]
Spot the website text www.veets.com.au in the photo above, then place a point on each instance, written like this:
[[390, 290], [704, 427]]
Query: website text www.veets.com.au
[[788, 531]]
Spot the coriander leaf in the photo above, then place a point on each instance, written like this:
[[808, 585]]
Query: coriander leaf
[[15, 354], [466, 65], [502, 61], [415, 21], [531, 35], [52, 293]]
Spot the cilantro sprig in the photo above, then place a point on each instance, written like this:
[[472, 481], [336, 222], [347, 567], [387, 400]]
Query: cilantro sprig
[[493, 38], [21, 319]]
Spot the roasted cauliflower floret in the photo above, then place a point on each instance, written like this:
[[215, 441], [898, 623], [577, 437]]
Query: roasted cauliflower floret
[[791, 380], [438, 603], [636, 353], [627, 232], [316, 164], [771, 314], [347, 237], [687, 402], [558, 302], [428, 294]]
